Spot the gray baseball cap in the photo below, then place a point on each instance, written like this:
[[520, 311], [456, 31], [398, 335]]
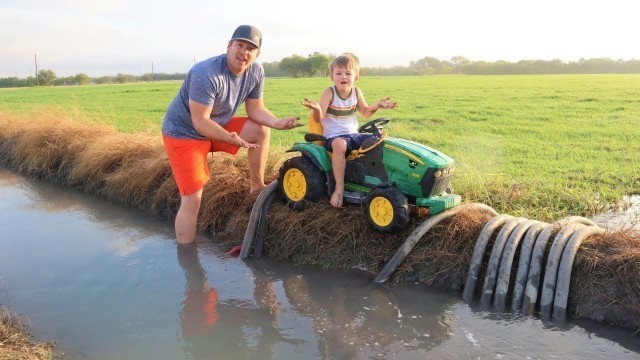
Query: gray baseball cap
[[248, 33]]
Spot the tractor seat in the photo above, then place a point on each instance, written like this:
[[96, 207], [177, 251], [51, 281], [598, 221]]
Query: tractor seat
[[310, 137]]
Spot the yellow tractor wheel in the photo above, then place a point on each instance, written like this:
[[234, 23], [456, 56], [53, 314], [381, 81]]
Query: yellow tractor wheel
[[387, 209], [300, 180], [294, 185]]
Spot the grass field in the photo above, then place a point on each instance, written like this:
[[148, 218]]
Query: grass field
[[540, 146]]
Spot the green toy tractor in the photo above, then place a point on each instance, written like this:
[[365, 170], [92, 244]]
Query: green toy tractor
[[386, 175]]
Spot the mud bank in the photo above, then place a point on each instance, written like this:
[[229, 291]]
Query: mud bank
[[133, 169], [16, 342]]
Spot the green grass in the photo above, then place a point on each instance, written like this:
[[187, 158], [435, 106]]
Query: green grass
[[541, 146], [129, 107]]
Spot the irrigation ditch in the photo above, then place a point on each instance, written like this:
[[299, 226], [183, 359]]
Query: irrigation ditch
[[578, 268]]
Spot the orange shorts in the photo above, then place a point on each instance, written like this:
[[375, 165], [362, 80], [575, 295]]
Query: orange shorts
[[200, 312], [188, 157]]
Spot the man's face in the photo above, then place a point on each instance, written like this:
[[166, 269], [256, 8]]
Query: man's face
[[240, 54]]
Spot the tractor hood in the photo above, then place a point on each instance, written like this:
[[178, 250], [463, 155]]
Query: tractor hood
[[422, 154]]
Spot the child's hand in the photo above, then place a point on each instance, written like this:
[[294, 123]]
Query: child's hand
[[387, 104], [311, 104]]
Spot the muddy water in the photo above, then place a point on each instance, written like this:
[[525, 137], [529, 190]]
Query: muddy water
[[106, 282], [625, 216]]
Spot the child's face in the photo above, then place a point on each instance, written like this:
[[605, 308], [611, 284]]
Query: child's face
[[343, 78]]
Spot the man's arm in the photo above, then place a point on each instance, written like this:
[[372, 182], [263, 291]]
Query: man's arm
[[212, 130], [258, 113]]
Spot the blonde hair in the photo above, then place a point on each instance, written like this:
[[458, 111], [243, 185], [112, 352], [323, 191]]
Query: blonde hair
[[347, 61]]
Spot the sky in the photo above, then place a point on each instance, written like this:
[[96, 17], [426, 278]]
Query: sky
[[107, 37]]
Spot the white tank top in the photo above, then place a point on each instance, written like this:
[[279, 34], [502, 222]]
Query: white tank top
[[341, 117]]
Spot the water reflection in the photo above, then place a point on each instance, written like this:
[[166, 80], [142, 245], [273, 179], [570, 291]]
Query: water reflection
[[357, 317], [335, 318], [214, 329], [106, 282], [127, 227]]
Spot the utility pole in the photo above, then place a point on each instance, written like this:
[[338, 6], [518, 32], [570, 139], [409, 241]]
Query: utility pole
[[35, 58]]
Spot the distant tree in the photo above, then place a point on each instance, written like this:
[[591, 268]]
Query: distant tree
[[46, 77], [82, 79], [104, 80], [319, 64], [430, 66], [460, 64], [13, 81], [272, 69], [295, 65], [63, 81], [478, 68], [125, 78], [146, 77], [161, 76]]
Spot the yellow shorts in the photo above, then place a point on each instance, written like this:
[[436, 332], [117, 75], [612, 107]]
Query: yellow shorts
[[188, 157]]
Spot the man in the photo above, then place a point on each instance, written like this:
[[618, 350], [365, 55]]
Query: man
[[200, 120]]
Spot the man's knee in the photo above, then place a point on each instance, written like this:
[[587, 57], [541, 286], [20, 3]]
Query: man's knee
[[254, 132], [191, 202]]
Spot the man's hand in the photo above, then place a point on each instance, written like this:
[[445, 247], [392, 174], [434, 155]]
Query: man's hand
[[235, 139], [311, 104], [287, 123]]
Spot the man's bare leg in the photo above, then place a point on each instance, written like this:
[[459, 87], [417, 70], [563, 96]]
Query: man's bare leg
[[257, 158], [338, 162], [187, 217]]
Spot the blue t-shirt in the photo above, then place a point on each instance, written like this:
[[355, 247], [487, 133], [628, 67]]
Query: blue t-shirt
[[210, 82]]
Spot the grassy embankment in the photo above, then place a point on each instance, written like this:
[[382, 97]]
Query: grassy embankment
[[542, 147], [16, 342]]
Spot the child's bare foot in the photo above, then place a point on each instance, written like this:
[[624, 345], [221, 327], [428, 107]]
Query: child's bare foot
[[336, 199], [256, 189]]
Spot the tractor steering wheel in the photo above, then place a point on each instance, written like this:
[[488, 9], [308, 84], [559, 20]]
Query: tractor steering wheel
[[373, 126]]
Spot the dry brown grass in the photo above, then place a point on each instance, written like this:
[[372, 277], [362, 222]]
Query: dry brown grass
[[342, 239], [16, 342], [606, 279], [133, 169]]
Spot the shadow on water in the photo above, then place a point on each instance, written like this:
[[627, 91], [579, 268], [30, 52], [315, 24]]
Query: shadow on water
[[106, 282]]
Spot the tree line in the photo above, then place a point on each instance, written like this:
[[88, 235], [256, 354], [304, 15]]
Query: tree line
[[49, 78], [317, 64]]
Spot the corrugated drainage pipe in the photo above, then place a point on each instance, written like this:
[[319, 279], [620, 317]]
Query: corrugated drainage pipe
[[566, 264], [523, 264], [537, 258], [494, 260], [262, 226], [508, 254], [478, 254], [257, 211], [551, 268], [419, 231]]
